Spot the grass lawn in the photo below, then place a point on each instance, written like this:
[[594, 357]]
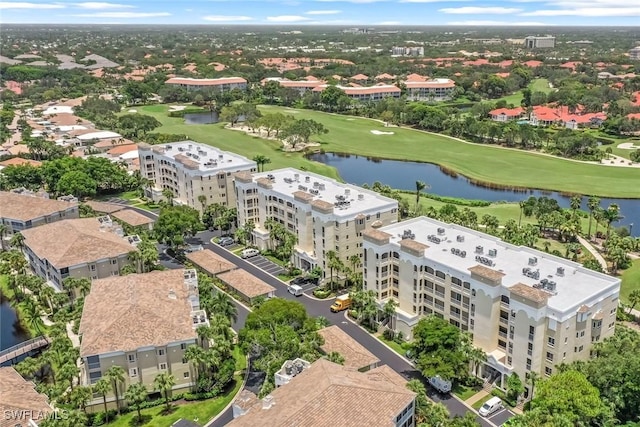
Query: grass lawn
[[353, 135], [630, 281], [398, 348], [536, 85], [201, 411], [464, 392], [480, 402]]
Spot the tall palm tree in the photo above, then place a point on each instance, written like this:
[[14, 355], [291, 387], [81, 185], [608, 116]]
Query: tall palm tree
[[389, 310], [634, 299], [195, 355], [334, 263], [593, 203], [168, 196], [611, 215], [32, 314], [115, 374], [420, 185], [80, 396], [17, 240], [3, 232], [222, 304], [136, 395], [531, 378], [164, 382], [136, 258], [203, 201], [84, 286], [103, 387], [575, 203]]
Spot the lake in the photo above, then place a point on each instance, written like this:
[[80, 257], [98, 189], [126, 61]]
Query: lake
[[204, 118], [11, 333], [359, 170]]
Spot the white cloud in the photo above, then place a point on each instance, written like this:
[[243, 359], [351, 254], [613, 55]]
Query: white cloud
[[227, 18], [27, 5], [95, 5], [496, 23], [287, 18], [587, 11], [323, 12], [480, 10], [123, 15]]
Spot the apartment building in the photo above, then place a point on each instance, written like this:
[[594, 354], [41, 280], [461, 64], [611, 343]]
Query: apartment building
[[324, 214], [366, 93], [94, 248], [20, 212], [190, 170], [634, 53], [430, 90], [20, 402], [528, 310], [301, 86], [325, 394], [407, 51], [222, 84], [142, 323], [539, 42]]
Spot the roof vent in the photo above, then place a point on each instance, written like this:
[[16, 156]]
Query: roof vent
[[493, 252], [560, 271], [533, 261], [440, 231], [529, 272], [479, 249], [172, 294], [321, 186], [296, 176], [460, 238], [407, 234], [433, 238], [360, 196], [268, 401], [308, 179]]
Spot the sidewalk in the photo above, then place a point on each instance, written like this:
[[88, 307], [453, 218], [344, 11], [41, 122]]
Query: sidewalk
[[476, 397], [594, 252]]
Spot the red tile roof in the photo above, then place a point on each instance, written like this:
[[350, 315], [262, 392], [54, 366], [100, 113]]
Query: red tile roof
[[205, 82], [509, 112]]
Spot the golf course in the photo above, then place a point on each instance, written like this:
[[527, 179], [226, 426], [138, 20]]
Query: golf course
[[353, 135]]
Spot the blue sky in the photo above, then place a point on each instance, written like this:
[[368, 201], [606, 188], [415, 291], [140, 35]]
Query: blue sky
[[329, 12]]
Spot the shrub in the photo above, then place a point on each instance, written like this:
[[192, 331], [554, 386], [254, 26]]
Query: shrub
[[388, 334], [321, 293]]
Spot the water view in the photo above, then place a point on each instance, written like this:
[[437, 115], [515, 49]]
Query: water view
[[11, 333], [359, 170], [204, 118]]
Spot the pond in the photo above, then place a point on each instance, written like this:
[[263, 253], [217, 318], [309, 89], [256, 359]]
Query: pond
[[11, 332], [359, 170], [204, 118]]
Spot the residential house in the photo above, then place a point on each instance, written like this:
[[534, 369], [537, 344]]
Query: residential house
[[506, 114], [133, 219], [301, 86]]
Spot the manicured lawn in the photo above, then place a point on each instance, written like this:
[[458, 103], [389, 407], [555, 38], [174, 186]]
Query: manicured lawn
[[200, 412], [630, 281], [537, 85], [464, 392], [480, 402], [235, 141], [398, 348]]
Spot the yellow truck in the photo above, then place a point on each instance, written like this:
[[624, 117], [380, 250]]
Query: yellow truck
[[342, 302]]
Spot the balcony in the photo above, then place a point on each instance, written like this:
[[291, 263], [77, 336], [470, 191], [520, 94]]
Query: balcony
[[504, 321], [455, 314], [439, 307], [440, 294], [502, 334], [456, 302], [530, 337]]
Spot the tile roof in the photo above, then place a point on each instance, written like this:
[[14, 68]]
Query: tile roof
[[205, 82], [246, 283], [412, 244], [486, 272], [509, 112], [75, 241], [326, 395], [376, 234], [210, 261], [355, 355], [19, 161], [23, 207], [132, 217], [121, 149], [103, 207], [18, 394], [124, 313], [530, 293]]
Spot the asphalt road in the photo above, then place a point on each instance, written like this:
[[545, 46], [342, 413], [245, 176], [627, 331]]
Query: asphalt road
[[321, 308]]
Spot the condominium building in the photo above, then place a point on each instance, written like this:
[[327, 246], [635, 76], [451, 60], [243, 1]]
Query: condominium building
[[366, 93], [142, 323], [528, 310], [222, 84], [407, 51], [325, 215], [634, 53], [430, 90], [301, 86], [20, 402], [20, 212], [538, 42], [85, 247], [325, 394], [190, 170]]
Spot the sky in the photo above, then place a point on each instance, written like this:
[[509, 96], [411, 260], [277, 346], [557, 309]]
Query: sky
[[327, 12]]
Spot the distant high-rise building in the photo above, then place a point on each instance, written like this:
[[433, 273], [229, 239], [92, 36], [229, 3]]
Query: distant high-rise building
[[635, 53], [407, 51], [537, 42]]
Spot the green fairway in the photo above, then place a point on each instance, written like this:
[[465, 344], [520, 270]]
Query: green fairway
[[537, 85], [630, 281], [489, 164]]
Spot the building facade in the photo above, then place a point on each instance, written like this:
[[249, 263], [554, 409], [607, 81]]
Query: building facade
[[366, 93], [526, 309], [539, 42], [20, 212], [325, 215], [430, 90], [223, 84], [143, 323], [191, 170], [93, 248], [634, 53]]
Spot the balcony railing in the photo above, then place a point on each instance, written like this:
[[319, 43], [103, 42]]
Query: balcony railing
[[456, 315], [504, 321], [439, 307], [440, 294], [502, 334]]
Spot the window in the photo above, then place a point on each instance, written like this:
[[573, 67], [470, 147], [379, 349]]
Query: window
[[528, 364], [186, 374], [549, 356], [93, 267], [160, 352], [551, 341], [183, 346], [133, 372], [163, 367], [548, 371], [132, 358], [94, 377], [114, 261], [530, 349]]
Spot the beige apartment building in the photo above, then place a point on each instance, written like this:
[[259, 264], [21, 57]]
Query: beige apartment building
[[190, 170], [142, 323], [527, 309], [430, 90], [324, 214], [24, 211], [94, 248]]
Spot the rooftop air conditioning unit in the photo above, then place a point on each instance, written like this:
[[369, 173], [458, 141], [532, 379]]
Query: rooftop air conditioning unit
[[479, 249], [460, 238]]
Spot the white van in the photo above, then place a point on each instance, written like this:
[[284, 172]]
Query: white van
[[248, 253], [490, 406], [295, 290]]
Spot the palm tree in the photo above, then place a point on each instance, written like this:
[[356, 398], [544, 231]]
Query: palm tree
[[3, 231], [32, 314], [634, 299], [593, 203], [203, 201], [611, 215], [136, 395], [389, 310], [164, 382], [336, 358], [334, 263], [17, 240], [420, 185], [576, 202], [84, 286], [195, 355], [222, 304], [168, 196], [261, 160], [80, 396], [103, 387], [322, 322], [531, 378], [115, 374], [136, 258]]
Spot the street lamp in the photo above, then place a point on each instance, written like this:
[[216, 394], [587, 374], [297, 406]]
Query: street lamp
[[631, 229]]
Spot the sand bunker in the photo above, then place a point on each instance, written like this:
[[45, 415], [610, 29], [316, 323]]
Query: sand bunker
[[378, 132], [628, 146], [132, 111], [177, 108]]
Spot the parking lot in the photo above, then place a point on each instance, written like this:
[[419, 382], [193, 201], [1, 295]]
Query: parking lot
[[266, 265]]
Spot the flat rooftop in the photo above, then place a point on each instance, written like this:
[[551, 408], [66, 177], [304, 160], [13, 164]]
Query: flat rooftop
[[202, 157], [574, 283], [348, 200]]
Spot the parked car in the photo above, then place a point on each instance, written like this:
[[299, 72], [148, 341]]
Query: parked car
[[295, 290], [490, 406], [193, 248], [226, 241], [248, 253], [441, 385], [301, 281]]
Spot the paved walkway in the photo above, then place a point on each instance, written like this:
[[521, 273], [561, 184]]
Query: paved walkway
[[476, 397], [584, 242]]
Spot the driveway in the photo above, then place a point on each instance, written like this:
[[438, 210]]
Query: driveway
[[321, 308]]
